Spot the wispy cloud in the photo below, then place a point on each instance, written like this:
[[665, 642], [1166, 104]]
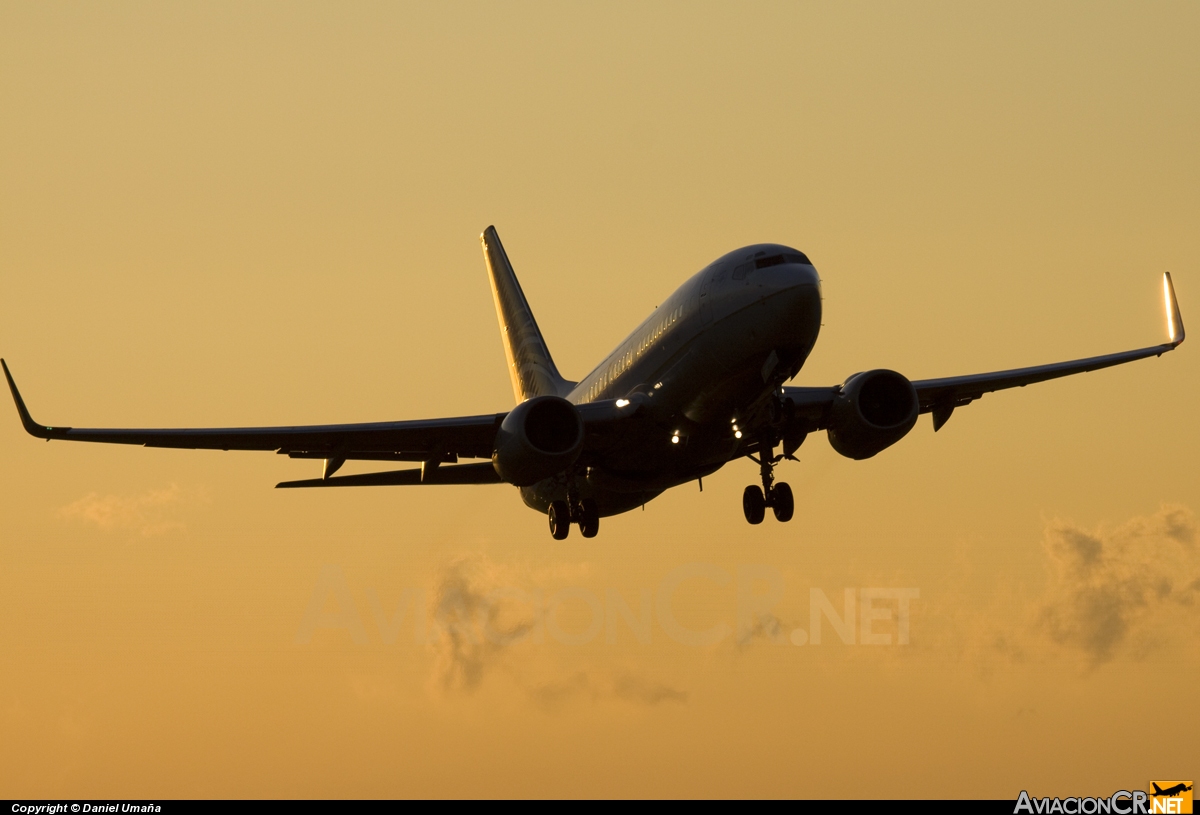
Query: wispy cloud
[[625, 687], [764, 626], [1121, 589], [1114, 592], [487, 618], [150, 513], [479, 612]]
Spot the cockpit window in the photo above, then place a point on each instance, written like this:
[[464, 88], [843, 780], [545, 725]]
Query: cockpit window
[[778, 260]]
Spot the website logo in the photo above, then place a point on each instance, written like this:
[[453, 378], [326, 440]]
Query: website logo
[[1170, 797]]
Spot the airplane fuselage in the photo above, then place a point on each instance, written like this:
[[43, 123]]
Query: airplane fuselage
[[707, 362]]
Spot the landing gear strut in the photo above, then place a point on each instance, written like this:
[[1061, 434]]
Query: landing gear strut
[[778, 497]]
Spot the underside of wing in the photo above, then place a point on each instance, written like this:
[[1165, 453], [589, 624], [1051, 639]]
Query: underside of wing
[[811, 406], [422, 440], [941, 396], [432, 442]]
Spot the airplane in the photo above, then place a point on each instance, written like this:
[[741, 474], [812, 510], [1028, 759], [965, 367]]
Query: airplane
[[1169, 792], [699, 383]]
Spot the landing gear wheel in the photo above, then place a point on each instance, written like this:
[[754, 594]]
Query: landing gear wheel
[[589, 517], [782, 503], [754, 504], [560, 520]]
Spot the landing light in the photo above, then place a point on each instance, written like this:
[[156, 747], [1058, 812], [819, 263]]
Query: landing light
[[737, 434], [622, 402], [675, 439]]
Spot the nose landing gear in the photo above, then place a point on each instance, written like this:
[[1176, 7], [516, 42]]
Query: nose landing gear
[[778, 497]]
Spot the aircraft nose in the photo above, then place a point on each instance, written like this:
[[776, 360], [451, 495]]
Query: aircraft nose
[[795, 276], [806, 274], [795, 307]]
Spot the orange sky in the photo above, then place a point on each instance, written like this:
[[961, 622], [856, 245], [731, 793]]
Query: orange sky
[[264, 214]]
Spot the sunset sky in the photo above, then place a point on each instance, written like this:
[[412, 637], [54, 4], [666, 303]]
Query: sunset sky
[[269, 213]]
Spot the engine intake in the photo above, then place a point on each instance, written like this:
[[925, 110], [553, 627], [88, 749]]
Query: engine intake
[[874, 411], [539, 438]]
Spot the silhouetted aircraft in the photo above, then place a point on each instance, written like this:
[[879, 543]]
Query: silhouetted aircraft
[[699, 383], [1169, 791]]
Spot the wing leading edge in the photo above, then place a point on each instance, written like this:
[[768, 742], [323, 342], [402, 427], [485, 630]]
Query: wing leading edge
[[432, 442], [421, 440], [941, 396]]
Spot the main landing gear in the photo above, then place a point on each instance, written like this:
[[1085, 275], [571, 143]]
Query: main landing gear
[[585, 513], [778, 497]]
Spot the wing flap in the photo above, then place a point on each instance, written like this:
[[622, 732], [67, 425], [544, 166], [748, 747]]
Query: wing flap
[[479, 473]]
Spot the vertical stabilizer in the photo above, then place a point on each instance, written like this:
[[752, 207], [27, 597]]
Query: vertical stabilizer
[[529, 364]]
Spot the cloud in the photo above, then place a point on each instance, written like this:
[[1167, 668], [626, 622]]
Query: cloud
[[624, 687], [765, 626], [148, 514], [478, 614], [489, 618], [1115, 593], [636, 689], [1119, 590]]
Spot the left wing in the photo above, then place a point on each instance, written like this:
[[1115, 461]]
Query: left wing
[[941, 396], [431, 440]]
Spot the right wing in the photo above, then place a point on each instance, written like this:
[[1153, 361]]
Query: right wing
[[941, 396]]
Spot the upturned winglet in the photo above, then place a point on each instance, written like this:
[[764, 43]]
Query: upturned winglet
[[1174, 318], [31, 427]]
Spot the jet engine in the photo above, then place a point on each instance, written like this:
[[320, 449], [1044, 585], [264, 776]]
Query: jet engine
[[874, 411], [539, 438]]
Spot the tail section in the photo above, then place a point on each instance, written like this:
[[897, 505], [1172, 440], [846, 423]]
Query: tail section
[[529, 364]]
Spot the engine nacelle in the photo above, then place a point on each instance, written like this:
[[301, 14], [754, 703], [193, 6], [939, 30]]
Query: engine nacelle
[[539, 438], [874, 411]]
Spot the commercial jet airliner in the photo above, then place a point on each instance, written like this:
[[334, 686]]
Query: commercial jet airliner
[[699, 383]]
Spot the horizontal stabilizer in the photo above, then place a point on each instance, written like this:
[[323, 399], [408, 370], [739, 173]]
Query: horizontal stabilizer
[[481, 473]]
